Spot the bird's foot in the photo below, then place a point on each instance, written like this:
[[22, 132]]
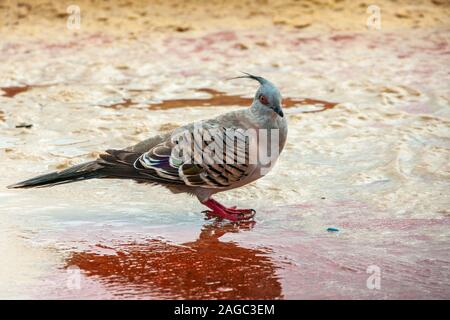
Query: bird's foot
[[235, 217], [233, 214]]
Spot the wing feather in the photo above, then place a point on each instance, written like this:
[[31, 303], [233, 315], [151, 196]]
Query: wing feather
[[217, 160]]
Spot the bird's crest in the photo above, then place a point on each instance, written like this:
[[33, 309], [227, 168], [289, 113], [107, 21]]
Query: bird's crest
[[261, 80]]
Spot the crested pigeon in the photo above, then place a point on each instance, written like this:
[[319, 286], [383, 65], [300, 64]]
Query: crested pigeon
[[225, 156]]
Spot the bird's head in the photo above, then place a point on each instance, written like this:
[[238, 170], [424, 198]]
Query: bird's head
[[267, 95]]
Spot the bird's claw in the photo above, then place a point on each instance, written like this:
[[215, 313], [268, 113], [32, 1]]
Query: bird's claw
[[208, 214], [246, 214]]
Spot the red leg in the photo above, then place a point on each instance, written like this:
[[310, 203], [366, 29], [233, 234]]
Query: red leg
[[233, 214], [234, 210]]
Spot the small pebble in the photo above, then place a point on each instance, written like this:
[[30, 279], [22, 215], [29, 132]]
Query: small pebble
[[24, 125]]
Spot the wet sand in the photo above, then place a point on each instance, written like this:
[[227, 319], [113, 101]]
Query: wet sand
[[367, 153]]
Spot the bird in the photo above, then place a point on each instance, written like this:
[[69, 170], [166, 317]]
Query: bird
[[182, 163]]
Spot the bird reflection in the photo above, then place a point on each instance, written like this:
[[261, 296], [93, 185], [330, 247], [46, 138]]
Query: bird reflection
[[204, 269]]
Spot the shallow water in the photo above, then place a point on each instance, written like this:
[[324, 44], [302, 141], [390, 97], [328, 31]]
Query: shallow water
[[375, 166]]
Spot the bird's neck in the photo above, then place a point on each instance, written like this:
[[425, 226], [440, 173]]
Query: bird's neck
[[264, 116]]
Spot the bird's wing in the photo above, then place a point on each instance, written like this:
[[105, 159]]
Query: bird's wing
[[219, 160], [209, 158]]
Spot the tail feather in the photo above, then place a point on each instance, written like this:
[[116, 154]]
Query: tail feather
[[79, 172], [114, 164]]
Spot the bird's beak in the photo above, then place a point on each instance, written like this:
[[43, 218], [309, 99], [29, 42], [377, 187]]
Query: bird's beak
[[278, 111]]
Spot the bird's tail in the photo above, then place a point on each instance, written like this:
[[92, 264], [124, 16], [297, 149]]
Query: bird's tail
[[88, 170]]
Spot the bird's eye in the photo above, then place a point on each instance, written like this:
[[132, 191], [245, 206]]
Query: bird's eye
[[263, 99]]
